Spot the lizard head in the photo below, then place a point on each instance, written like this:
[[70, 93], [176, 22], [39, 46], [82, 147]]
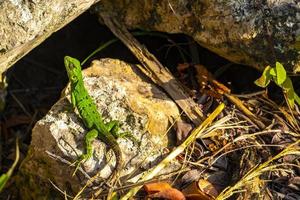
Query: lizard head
[[73, 68]]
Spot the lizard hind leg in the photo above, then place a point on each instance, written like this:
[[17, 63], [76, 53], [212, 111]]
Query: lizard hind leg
[[114, 128], [89, 138]]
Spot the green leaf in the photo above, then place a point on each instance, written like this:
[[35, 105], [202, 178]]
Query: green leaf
[[280, 73], [288, 88], [287, 85], [279, 76], [265, 78], [4, 177], [273, 72], [297, 98], [291, 98]]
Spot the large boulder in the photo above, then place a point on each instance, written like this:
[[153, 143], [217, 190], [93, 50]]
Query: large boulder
[[58, 138]]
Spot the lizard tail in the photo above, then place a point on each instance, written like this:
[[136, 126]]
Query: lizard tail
[[113, 178], [112, 143]]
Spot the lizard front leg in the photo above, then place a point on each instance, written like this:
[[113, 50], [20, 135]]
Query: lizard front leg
[[71, 107], [73, 100], [89, 138]]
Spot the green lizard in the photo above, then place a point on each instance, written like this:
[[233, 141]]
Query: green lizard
[[107, 132]]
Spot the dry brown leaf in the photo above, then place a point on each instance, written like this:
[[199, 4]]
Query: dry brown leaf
[[170, 194], [182, 130], [182, 66], [203, 75], [201, 190], [151, 188]]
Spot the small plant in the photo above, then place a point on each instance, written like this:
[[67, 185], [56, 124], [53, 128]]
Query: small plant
[[5, 177], [279, 76]]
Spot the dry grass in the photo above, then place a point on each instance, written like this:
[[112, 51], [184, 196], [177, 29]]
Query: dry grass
[[254, 174]]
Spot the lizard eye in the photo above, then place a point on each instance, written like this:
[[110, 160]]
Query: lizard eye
[[74, 78]]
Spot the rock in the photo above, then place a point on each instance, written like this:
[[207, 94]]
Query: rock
[[57, 139], [248, 32], [26, 24]]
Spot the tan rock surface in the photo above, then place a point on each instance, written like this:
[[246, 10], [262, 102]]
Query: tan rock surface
[[120, 94]]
